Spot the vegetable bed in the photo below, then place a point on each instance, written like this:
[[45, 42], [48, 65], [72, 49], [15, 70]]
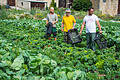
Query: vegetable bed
[[26, 55]]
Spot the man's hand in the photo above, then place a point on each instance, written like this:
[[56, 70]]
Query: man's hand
[[74, 25], [99, 26], [100, 31], [82, 27], [46, 21], [53, 23], [80, 32], [73, 28]]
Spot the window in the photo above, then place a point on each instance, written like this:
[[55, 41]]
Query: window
[[22, 3], [104, 1]]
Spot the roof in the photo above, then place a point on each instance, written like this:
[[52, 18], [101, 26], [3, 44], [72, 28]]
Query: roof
[[42, 1]]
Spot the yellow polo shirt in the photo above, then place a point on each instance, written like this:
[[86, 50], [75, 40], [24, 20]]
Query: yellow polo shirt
[[68, 22]]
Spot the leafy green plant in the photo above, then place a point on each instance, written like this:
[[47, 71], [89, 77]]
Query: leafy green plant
[[3, 14], [82, 5], [53, 4], [26, 55]]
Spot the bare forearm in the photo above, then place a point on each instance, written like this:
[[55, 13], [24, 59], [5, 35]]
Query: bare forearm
[[62, 25], [74, 25], [99, 26], [46, 21], [82, 27]]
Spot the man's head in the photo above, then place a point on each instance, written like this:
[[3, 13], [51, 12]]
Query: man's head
[[90, 11], [68, 12], [51, 10]]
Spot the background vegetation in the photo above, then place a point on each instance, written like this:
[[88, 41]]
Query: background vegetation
[[82, 5]]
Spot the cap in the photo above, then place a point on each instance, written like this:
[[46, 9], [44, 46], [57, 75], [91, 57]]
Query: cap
[[68, 10]]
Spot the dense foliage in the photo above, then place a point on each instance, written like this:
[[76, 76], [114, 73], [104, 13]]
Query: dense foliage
[[53, 4], [82, 5], [26, 55]]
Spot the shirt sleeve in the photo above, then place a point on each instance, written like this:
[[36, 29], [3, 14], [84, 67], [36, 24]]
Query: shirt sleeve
[[74, 20], [56, 17], [84, 20], [96, 18]]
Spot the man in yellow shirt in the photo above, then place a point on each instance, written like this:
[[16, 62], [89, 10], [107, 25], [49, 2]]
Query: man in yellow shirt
[[67, 23]]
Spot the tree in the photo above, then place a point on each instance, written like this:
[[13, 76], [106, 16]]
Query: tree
[[82, 5], [53, 4]]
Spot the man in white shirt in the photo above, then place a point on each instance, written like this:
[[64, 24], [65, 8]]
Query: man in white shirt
[[90, 21]]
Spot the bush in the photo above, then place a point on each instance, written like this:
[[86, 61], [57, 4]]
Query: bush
[[116, 18], [26, 15], [2, 7], [82, 5], [60, 12], [105, 16], [53, 4], [33, 11], [80, 14], [3, 14]]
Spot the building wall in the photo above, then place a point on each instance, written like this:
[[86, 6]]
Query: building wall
[[23, 4], [48, 2], [27, 3], [109, 7], [65, 3], [3, 2], [95, 4]]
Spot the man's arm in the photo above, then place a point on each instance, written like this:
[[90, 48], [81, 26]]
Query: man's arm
[[56, 20], [74, 25], [62, 27], [82, 27], [74, 22], [46, 21], [62, 24], [99, 26]]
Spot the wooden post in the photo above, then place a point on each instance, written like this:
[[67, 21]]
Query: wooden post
[[15, 3], [67, 3], [57, 3]]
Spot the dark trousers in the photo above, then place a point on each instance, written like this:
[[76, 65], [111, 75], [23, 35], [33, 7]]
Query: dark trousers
[[66, 37], [90, 41], [53, 31]]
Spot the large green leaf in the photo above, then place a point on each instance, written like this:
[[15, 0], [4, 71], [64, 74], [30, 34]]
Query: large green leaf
[[17, 63]]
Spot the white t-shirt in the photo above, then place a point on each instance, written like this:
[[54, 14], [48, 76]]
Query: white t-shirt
[[90, 22], [52, 18]]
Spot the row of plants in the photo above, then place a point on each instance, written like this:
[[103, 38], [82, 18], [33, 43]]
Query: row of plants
[[26, 55]]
